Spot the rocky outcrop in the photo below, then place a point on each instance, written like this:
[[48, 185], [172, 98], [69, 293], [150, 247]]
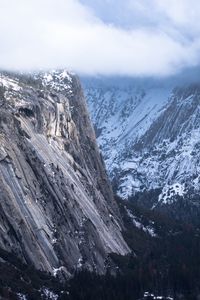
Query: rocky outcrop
[[57, 210]]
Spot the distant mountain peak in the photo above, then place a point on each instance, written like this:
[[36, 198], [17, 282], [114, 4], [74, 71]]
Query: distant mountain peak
[[149, 135]]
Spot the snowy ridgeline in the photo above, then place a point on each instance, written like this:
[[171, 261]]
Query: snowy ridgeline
[[148, 134], [57, 80]]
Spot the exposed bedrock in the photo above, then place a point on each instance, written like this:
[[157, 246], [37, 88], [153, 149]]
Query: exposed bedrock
[[56, 205]]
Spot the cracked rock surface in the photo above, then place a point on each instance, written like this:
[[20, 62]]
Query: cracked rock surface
[[57, 211]]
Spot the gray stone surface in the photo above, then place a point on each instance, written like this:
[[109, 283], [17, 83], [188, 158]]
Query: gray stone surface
[[57, 210]]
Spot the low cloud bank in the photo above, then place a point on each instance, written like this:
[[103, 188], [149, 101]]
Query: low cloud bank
[[161, 37]]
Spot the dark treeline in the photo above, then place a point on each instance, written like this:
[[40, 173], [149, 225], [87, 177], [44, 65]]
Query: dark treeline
[[166, 264]]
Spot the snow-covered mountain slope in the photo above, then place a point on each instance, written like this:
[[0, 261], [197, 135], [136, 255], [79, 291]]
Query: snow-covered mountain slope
[[123, 113], [149, 133]]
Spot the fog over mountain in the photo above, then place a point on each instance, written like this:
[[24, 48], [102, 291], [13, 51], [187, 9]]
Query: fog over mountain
[[145, 38]]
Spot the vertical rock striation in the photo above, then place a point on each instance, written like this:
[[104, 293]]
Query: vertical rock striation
[[56, 205]]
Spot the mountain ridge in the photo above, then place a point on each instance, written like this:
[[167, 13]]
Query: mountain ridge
[[156, 134]]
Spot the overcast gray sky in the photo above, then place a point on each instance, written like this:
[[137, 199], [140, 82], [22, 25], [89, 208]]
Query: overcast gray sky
[[109, 37]]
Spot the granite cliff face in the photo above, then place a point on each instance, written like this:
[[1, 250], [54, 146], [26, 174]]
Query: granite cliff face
[[56, 205]]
